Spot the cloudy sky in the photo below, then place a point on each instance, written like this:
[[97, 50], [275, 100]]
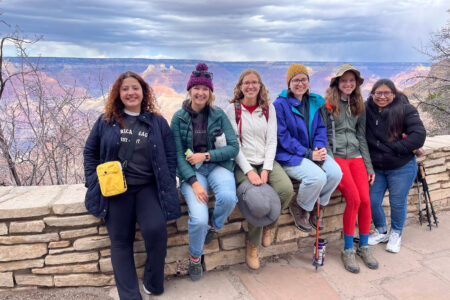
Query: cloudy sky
[[272, 30]]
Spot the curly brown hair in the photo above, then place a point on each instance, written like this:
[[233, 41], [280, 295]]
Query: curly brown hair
[[114, 107], [262, 99], [333, 96]]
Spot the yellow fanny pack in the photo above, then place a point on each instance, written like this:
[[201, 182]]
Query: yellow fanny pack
[[111, 178]]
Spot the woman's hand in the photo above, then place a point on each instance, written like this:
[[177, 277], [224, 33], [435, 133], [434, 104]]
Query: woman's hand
[[200, 192], [254, 178], [265, 176], [319, 154], [196, 158], [371, 179]]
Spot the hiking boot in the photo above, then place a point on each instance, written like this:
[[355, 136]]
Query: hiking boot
[[395, 242], [145, 290], [376, 237], [252, 257], [366, 255], [349, 260], [301, 216], [313, 217], [267, 237], [195, 269]]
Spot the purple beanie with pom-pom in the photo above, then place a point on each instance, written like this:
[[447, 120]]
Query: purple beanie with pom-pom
[[201, 76]]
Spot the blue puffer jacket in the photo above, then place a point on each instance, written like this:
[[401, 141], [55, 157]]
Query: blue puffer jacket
[[293, 136], [103, 145]]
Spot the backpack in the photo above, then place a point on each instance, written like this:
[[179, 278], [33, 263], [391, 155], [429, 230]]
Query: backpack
[[238, 112]]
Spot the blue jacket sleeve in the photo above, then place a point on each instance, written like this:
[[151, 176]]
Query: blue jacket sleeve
[[319, 138]]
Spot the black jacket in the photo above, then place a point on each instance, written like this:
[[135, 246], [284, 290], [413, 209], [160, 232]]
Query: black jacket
[[386, 155], [103, 145]]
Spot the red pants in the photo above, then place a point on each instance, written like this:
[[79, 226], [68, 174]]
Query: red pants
[[355, 188]]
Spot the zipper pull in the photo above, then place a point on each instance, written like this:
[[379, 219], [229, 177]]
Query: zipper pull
[[376, 123]]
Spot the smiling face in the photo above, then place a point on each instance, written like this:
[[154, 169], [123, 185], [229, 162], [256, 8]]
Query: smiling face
[[299, 85], [250, 87], [131, 94], [383, 96], [199, 95], [347, 84]]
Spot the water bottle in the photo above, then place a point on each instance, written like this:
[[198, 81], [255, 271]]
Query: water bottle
[[189, 152], [321, 257], [219, 138]]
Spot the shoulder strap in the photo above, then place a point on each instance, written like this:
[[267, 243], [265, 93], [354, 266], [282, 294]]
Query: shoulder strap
[[333, 124], [130, 149], [265, 112], [237, 113]]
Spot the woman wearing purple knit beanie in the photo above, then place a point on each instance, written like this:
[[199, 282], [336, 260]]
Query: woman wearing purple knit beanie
[[206, 144]]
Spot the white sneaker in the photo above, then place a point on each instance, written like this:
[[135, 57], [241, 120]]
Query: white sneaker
[[395, 241], [146, 291], [377, 237]]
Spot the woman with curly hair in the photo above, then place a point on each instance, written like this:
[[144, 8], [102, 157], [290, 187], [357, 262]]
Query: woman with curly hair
[[345, 118], [132, 125], [254, 120]]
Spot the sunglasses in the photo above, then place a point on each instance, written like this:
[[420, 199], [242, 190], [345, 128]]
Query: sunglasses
[[208, 75]]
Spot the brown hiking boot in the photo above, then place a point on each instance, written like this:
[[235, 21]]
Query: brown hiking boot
[[349, 260], [366, 255], [300, 215], [267, 237], [313, 217], [252, 257]]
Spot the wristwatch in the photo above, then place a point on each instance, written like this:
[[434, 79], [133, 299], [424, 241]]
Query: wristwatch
[[207, 157]]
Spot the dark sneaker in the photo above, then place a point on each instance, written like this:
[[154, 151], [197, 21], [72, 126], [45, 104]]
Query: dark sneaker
[[195, 270], [366, 255], [349, 260], [313, 217], [211, 235], [300, 216], [145, 290]]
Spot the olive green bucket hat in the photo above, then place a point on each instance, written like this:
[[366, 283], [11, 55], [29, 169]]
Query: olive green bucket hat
[[344, 68]]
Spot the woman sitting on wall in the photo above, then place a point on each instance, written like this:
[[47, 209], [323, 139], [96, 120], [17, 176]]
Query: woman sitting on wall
[[206, 145]]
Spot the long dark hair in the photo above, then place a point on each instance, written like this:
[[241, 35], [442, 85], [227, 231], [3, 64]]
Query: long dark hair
[[114, 106], [394, 111]]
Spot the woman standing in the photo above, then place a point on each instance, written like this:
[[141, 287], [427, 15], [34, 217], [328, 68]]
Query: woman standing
[[394, 131], [301, 149], [345, 118], [202, 164], [254, 121], [151, 198]]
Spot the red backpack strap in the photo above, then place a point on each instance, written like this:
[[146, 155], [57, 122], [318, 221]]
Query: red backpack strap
[[237, 113], [265, 112]]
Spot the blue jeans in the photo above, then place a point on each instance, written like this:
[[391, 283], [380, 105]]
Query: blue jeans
[[315, 181], [398, 182], [223, 185]]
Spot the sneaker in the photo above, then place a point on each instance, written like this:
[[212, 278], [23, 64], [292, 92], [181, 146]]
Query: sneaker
[[301, 216], [267, 237], [313, 217], [377, 237], [252, 257], [366, 255], [195, 270], [145, 290], [349, 260], [395, 242]]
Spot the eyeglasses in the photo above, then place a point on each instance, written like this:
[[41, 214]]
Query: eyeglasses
[[248, 83], [386, 94], [208, 75], [297, 81]]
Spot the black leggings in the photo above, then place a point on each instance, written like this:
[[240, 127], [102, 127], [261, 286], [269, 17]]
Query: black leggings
[[138, 203]]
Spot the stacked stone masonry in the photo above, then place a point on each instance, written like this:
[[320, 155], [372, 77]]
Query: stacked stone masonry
[[47, 239]]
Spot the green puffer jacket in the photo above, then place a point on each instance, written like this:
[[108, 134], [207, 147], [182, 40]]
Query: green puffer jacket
[[182, 130], [350, 135]]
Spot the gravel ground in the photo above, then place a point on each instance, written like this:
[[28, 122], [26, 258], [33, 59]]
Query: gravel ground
[[82, 293]]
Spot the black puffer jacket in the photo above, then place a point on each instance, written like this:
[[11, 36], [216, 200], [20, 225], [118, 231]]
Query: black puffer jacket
[[103, 145], [387, 155]]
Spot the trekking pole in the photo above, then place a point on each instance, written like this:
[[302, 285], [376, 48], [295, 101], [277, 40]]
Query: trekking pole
[[426, 193], [420, 199], [316, 261]]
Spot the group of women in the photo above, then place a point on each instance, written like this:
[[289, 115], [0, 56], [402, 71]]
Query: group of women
[[337, 142]]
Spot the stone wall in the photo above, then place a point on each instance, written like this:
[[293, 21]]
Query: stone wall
[[47, 239]]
